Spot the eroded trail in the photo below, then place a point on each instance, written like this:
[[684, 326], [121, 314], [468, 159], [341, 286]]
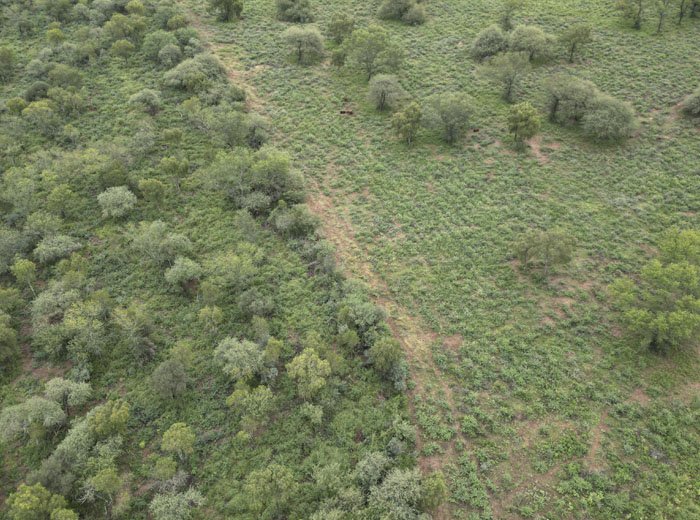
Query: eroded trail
[[428, 384]]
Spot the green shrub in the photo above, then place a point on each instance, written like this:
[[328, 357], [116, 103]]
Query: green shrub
[[531, 40], [116, 201], [7, 64], [691, 104], [449, 114], [55, 247], [489, 42], [609, 119], [147, 100], [226, 10], [306, 43], [195, 74], [155, 41], [340, 27]]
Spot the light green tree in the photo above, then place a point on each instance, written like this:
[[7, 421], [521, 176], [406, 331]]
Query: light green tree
[[507, 70], [306, 43], [523, 122], [116, 202], [545, 249], [385, 91], [309, 372], [36, 503], [179, 440], [574, 37], [227, 10], [24, 271], [660, 308], [268, 492], [407, 121]]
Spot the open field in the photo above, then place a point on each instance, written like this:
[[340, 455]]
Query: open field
[[532, 402]]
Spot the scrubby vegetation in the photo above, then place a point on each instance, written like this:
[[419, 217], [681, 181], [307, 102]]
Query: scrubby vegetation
[[175, 339], [513, 181]]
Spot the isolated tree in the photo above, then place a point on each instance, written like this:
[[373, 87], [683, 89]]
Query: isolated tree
[[69, 394], [294, 11], [169, 379], [340, 27], [7, 64], [489, 42], [691, 104], [523, 122], [372, 51], [306, 43], [660, 308], [385, 91], [116, 201], [416, 15], [545, 249], [269, 491], [227, 10], [508, 10], [574, 37], [507, 70], [449, 114], [568, 98], [407, 121], [241, 360], [179, 440], [433, 491], [309, 372], [175, 506], [609, 119], [531, 40], [633, 11], [147, 100]]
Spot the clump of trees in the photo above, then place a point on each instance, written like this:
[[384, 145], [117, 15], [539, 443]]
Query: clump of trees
[[410, 12], [294, 11], [602, 117], [660, 307]]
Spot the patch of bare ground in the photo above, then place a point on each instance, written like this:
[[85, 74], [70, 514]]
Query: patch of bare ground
[[638, 396], [593, 460], [535, 145], [689, 392]]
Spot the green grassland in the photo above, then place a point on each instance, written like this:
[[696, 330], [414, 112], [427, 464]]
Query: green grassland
[[555, 415]]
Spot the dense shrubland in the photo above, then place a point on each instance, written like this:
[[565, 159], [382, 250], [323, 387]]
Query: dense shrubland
[[157, 259]]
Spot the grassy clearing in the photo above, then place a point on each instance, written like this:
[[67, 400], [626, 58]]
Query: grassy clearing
[[557, 415]]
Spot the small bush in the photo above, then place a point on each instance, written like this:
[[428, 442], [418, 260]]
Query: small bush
[[385, 91], [147, 100], [609, 119], [155, 41], [195, 74], [340, 27], [449, 114], [691, 105], [294, 11], [306, 43]]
